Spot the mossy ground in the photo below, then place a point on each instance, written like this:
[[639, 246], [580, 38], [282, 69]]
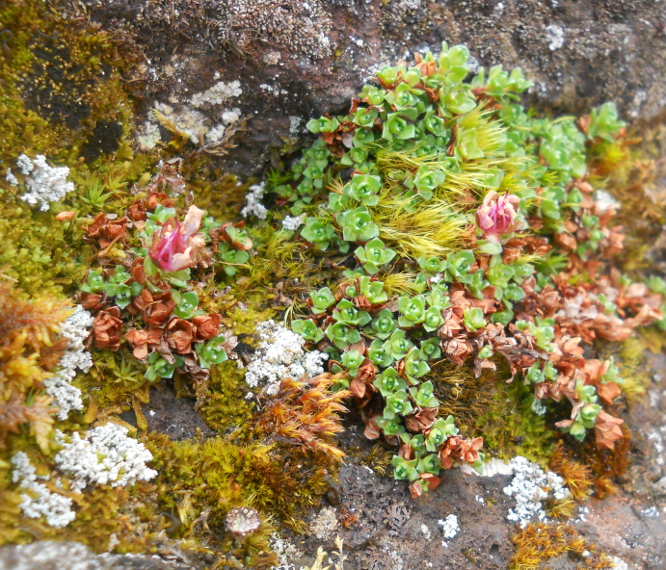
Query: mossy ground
[[66, 99]]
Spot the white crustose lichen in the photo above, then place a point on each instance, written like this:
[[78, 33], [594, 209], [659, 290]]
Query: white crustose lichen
[[106, 455], [253, 205], [449, 526], [192, 117], [292, 223], [38, 500], [59, 386], [217, 94], [280, 355], [530, 486], [45, 183], [554, 37]]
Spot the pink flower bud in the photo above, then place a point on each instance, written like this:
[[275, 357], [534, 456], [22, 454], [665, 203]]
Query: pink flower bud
[[174, 246], [497, 215]]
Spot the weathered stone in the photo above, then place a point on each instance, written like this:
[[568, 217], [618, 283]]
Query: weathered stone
[[579, 54]]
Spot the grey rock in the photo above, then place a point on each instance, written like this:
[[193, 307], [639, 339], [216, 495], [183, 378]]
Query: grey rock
[[579, 54], [51, 555]]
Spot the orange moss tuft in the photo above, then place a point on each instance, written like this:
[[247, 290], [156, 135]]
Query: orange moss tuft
[[540, 542], [607, 465], [305, 413], [28, 351], [577, 476]]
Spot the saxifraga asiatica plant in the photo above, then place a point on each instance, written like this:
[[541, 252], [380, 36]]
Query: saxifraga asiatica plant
[[453, 215]]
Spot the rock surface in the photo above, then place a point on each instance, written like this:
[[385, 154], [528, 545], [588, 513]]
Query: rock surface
[[50, 555], [296, 60]]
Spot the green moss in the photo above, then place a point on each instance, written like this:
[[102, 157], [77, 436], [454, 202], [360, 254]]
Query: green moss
[[62, 86], [243, 319], [211, 477], [200, 481], [100, 512], [510, 427], [10, 514], [220, 194], [61, 80], [105, 186], [225, 406], [36, 249], [114, 379]]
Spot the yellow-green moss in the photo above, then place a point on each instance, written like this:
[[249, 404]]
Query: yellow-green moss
[[510, 427], [243, 319], [225, 406], [101, 511], [633, 371], [60, 79], [208, 478], [114, 378], [36, 250]]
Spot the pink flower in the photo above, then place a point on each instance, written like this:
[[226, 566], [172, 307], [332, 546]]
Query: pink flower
[[174, 246], [497, 215]]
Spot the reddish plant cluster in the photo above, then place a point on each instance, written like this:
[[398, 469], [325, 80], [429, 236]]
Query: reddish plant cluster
[[145, 295]]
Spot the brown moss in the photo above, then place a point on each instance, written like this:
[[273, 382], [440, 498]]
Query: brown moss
[[306, 413], [378, 459], [462, 395], [609, 466], [562, 510], [540, 542], [578, 477]]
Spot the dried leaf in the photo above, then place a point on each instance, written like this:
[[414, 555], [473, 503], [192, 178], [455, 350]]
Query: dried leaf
[[608, 430]]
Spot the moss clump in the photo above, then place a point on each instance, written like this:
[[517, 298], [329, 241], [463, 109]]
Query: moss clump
[[243, 318], [220, 194], [538, 543], [202, 481], [608, 466], [44, 254], [510, 427], [577, 476], [10, 514], [62, 79], [101, 512], [279, 259], [36, 249], [115, 379], [29, 351], [225, 408], [462, 395]]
